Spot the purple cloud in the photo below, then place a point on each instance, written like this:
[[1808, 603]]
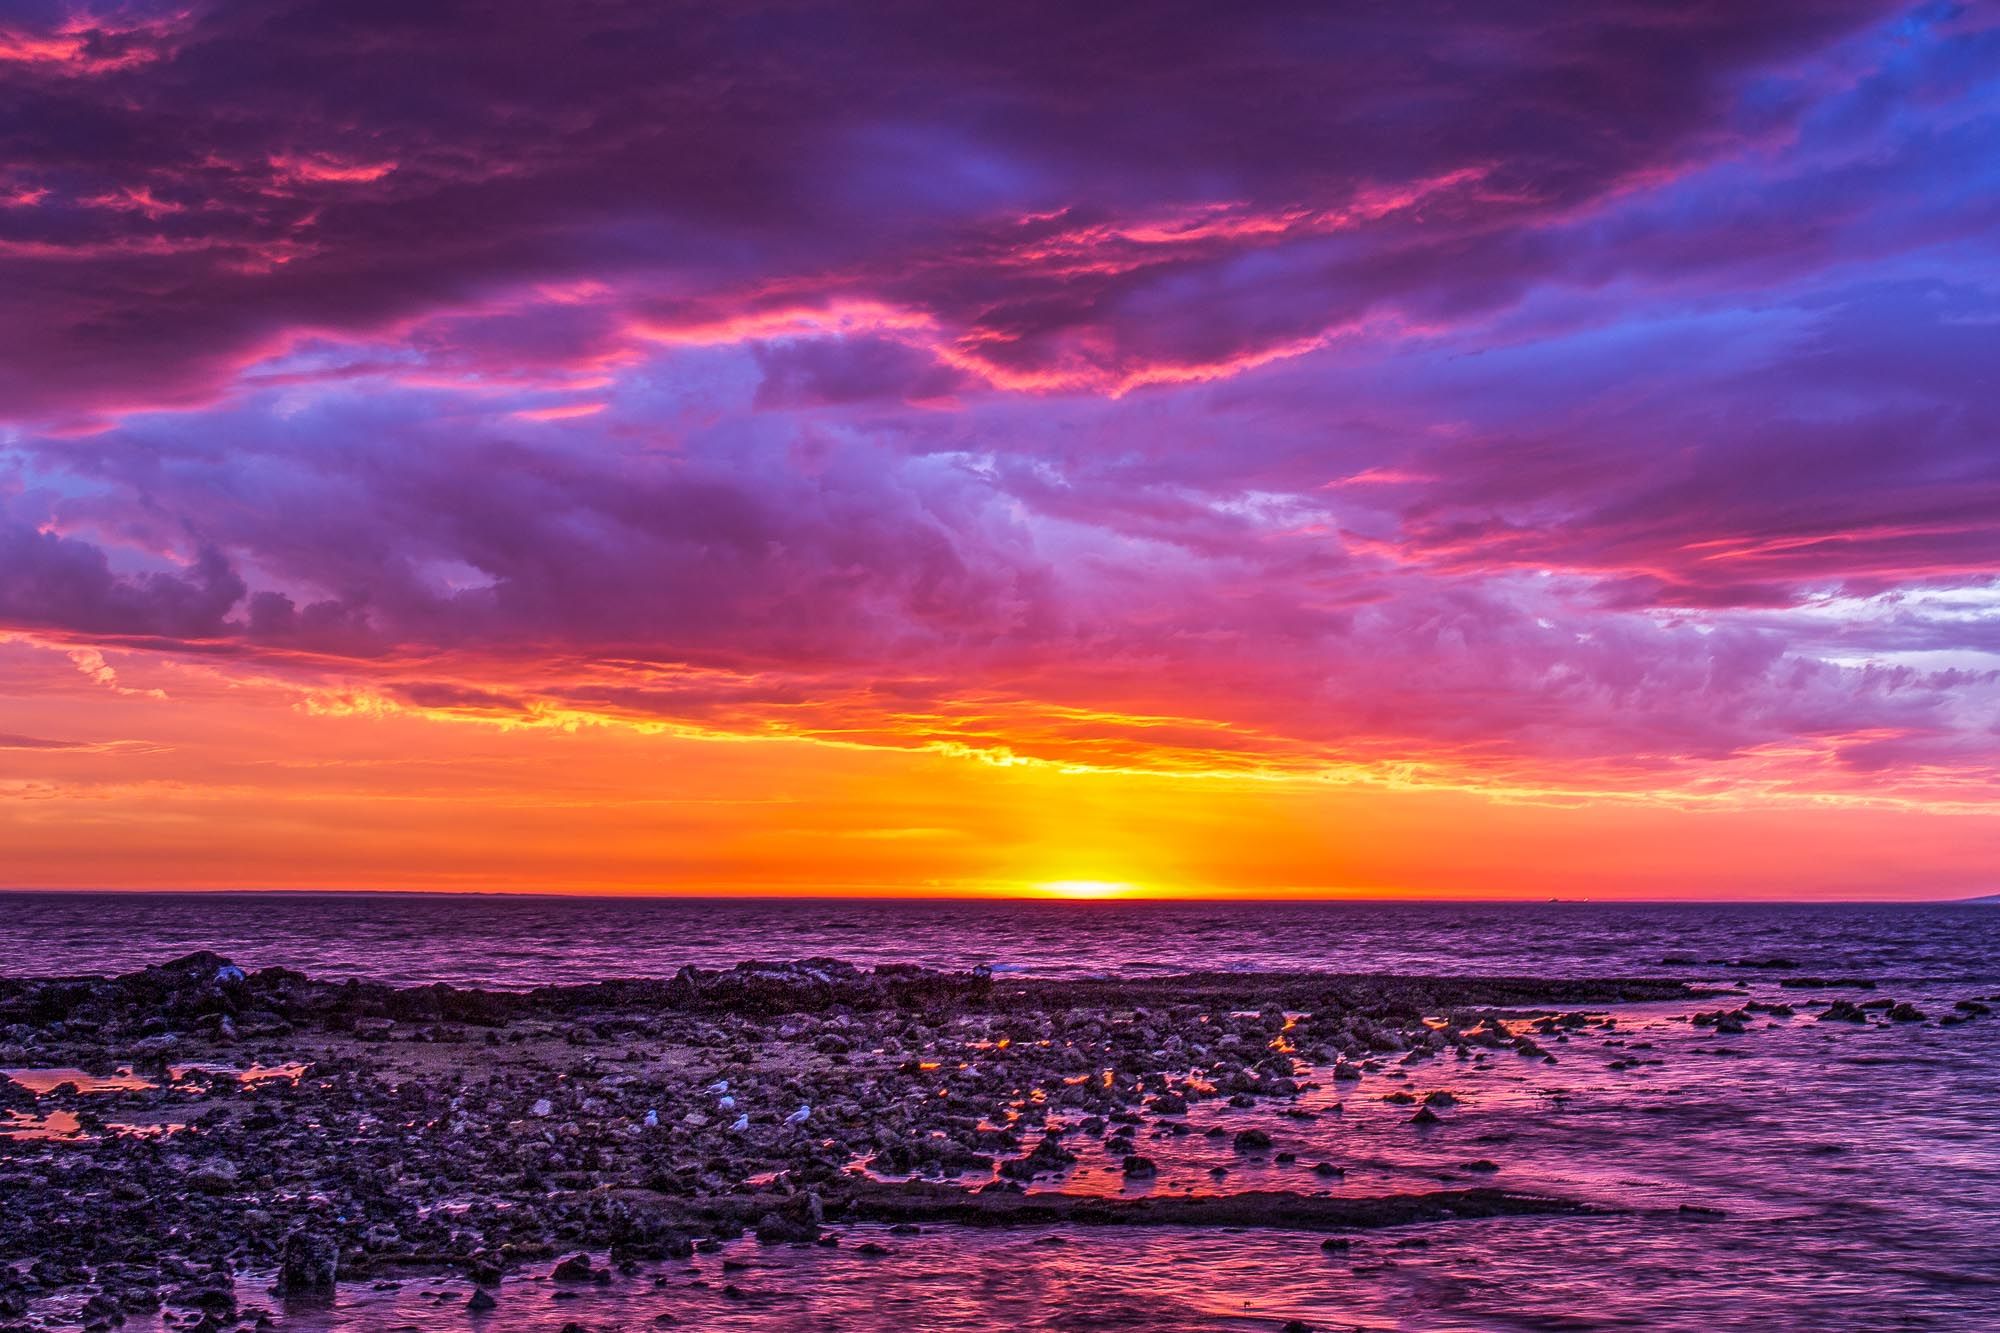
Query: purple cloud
[[1604, 390]]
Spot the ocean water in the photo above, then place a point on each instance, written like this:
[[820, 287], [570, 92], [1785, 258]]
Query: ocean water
[[1802, 1175], [519, 941]]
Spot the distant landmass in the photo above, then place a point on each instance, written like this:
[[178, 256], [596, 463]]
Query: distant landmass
[[1993, 898]]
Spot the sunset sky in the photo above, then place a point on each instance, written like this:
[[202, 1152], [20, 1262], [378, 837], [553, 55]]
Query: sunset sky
[[801, 447]]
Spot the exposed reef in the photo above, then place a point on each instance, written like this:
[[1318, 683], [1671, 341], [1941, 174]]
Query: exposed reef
[[167, 1132]]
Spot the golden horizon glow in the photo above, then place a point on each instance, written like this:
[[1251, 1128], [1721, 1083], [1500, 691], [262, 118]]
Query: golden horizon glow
[[175, 775], [1062, 517], [1089, 888]]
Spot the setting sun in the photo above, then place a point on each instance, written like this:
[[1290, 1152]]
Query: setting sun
[[1087, 888]]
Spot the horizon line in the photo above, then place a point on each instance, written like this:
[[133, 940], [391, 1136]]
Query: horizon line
[[1000, 896]]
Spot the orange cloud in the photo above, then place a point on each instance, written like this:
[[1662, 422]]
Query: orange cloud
[[560, 412], [328, 167]]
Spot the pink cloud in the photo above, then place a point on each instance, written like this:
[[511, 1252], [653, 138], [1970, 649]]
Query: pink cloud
[[1497, 396]]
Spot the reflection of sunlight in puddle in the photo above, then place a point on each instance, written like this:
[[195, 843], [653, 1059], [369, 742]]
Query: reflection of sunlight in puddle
[[124, 1079], [44, 1081], [253, 1073], [54, 1125], [67, 1125], [62, 1080]]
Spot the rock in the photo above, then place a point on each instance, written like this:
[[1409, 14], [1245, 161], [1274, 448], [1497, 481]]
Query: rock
[[1906, 1012], [310, 1264], [1136, 1167], [14, 1097], [1048, 1156], [576, 1268], [480, 1301], [1251, 1140], [775, 1229]]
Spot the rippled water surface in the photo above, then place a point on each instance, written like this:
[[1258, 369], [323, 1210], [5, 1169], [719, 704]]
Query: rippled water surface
[[1800, 1175], [479, 940]]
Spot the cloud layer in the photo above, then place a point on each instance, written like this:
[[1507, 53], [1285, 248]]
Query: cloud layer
[[1593, 400]]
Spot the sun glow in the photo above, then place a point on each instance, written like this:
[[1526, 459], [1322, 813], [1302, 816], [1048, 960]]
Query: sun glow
[[1086, 888]]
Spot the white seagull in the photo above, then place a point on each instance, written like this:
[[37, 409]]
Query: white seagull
[[727, 1104], [799, 1116], [742, 1123], [717, 1088]]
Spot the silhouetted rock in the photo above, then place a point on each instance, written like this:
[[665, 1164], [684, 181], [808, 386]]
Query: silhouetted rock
[[311, 1263]]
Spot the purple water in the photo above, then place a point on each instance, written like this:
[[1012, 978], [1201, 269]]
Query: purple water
[[507, 941], [1856, 1169]]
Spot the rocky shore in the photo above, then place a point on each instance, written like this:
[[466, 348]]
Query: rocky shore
[[173, 1130]]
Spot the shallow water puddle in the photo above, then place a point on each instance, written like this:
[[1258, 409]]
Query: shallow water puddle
[[252, 1073], [68, 1124], [46, 1080]]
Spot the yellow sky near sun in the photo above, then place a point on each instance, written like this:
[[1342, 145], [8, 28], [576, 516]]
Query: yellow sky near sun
[[232, 783]]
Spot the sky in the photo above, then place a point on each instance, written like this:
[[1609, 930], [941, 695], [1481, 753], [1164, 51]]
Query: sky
[[1427, 448]]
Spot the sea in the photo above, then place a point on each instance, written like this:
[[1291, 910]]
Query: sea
[[1799, 1176]]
